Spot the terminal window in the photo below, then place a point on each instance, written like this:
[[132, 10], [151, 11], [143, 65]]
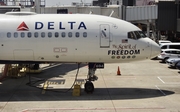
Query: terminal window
[[62, 11]]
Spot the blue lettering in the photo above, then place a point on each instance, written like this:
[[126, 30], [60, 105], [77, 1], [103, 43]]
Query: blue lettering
[[61, 26], [38, 25], [71, 24], [82, 25], [50, 24]]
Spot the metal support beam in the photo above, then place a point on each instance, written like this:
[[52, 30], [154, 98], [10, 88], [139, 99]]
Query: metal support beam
[[112, 12], [37, 6], [148, 29]]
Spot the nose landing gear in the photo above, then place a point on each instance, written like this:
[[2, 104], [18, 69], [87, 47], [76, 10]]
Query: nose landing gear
[[89, 87]]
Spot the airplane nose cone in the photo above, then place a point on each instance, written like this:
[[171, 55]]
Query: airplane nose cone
[[156, 50]]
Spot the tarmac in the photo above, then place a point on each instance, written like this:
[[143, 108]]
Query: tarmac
[[142, 86]]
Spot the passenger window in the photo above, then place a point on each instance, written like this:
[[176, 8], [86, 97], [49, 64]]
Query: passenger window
[[174, 46], [175, 52], [43, 34], [167, 51], [63, 34], [9, 35], [56, 34], [85, 34], [29, 34], [178, 52], [77, 34], [131, 35], [171, 46], [164, 47], [49, 34], [70, 34], [15, 34], [138, 36], [22, 34], [36, 34]]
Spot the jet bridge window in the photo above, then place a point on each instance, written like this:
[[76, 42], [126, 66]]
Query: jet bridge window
[[22, 34], [9, 35], [131, 35]]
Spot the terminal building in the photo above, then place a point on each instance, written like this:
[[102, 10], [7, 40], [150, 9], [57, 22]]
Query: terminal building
[[160, 19]]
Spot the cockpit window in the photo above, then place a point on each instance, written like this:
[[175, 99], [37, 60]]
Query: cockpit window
[[136, 35], [142, 34], [131, 35]]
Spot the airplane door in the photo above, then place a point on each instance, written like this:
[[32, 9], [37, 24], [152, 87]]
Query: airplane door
[[104, 36]]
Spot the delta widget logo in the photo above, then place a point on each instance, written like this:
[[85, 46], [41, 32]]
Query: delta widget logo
[[23, 27]]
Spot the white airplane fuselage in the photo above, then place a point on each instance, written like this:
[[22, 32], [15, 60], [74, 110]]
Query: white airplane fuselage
[[70, 38]]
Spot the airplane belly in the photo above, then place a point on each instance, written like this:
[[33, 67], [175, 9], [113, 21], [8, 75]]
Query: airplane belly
[[23, 54]]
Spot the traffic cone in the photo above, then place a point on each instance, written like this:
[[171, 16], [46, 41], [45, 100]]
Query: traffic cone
[[118, 71]]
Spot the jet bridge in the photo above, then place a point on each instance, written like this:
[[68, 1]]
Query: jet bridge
[[142, 14]]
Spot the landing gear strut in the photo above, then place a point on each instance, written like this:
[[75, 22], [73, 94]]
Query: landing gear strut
[[89, 87]]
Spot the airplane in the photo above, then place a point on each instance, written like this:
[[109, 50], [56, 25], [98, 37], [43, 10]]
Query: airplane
[[27, 37]]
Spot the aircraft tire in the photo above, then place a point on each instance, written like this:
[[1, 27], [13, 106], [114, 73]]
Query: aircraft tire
[[89, 87]]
